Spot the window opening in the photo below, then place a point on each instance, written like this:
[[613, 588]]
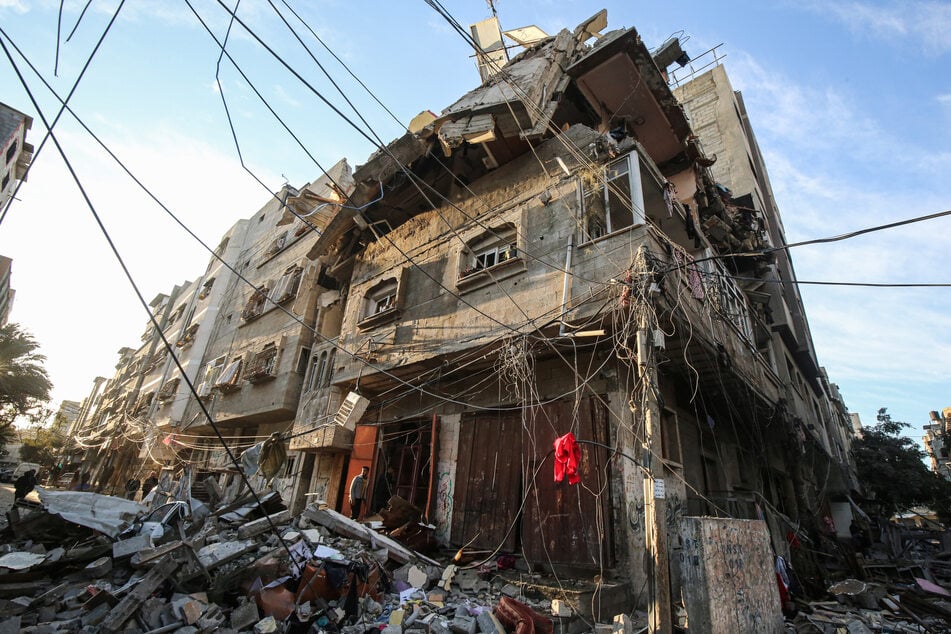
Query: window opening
[[287, 286], [263, 365], [612, 197], [302, 361], [490, 249], [227, 381], [255, 306]]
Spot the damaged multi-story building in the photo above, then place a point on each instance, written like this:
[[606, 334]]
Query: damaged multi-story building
[[573, 246]]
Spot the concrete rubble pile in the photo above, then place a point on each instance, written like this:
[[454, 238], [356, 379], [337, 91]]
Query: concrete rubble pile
[[905, 586], [84, 562]]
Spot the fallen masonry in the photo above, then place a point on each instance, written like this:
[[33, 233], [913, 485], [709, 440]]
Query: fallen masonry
[[245, 568]]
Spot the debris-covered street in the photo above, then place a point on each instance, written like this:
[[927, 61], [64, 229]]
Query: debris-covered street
[[82, 561]]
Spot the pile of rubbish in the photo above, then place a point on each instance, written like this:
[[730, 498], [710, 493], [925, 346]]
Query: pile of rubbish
[[865, 607], [81, 561], [77, 561], [903, 587]]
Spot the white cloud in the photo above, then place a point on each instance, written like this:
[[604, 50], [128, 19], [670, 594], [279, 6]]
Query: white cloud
[[926, 24], [15, 5]]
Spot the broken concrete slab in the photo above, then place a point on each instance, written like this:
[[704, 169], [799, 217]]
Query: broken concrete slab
[[489, 624], [214, 555], [21, 560], [128, 547], [244, 615], [256, 527], [104, 513], [343, 525], [131, 602], [99, 567]]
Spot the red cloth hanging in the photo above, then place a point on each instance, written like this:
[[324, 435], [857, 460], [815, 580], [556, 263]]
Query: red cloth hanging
[[567, 458]]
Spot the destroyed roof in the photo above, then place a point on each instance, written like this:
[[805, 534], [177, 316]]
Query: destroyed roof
[[558, 82]]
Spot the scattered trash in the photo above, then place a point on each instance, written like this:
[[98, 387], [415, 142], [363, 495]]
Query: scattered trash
[[81, 561]]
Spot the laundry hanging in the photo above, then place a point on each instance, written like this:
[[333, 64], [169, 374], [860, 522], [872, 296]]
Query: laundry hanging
[[567, 458]]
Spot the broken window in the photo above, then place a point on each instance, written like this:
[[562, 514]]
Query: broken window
[[612, 198], [725, 296], [227, 381], [154, 361], [381, 302], [168, 389], [176, 315], [188, 336], [263, 365], [276, 246], [498, 245], [208, 378], [142, 405], [206, 288], [286, 287], [256, 303]]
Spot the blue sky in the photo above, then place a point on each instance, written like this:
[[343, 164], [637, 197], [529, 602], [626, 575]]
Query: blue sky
[[850, 101]]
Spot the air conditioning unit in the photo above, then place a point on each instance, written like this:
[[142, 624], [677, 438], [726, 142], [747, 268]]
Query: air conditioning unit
[[204, 390], [351, 410]]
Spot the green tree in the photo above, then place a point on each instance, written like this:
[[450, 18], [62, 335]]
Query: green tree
[[891, 470], [42, 445], [24, 384]]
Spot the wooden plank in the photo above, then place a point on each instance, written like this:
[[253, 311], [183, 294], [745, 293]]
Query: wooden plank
[[728, 574], [131, 602]]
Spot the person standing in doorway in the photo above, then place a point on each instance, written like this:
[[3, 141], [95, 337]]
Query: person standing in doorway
[[358, 491]]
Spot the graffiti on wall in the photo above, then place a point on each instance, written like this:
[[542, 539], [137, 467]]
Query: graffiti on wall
[[444, 506]]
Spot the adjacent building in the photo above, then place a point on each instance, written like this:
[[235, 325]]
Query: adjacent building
[[937, 442], [15, 152], [6, 293]]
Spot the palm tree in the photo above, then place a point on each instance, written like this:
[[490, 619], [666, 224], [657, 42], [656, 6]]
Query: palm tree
[[24, 384]]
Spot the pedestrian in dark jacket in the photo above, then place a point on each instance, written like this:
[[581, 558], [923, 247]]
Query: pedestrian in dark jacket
[[24, 484], [149, 484]]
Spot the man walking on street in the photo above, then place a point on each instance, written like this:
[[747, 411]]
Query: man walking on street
[[24, 484], [358, 490]]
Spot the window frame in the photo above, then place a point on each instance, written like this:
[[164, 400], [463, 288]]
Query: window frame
[[233, 384], [263, 364], [255, 306], [501, 242], [210, 375], [287, 286], [601, 188], [382, 301]]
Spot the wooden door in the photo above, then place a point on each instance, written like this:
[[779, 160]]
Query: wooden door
[[569, 524], [488, 481]]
